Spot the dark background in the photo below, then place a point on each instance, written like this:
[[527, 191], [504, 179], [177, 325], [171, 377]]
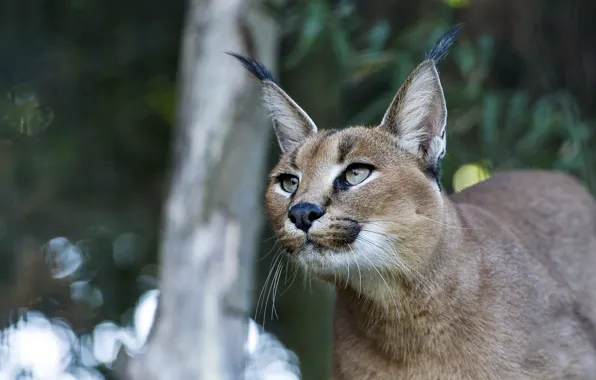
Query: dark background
[[87, 97]]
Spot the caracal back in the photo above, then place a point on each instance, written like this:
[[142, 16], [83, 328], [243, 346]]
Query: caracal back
[[553, 217]]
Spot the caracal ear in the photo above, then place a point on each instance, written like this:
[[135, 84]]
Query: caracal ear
[[418, 114], [291, 124]]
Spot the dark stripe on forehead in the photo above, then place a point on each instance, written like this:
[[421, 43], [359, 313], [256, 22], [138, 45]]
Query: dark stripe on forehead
[[316, 146], [292, 156], [330, 132], [312, 150], [346, 144]]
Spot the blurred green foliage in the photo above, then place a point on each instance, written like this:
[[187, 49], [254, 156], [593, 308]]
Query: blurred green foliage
[[506, 127], [86, 103]]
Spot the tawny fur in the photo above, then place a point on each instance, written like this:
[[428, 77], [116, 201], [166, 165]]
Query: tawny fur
[[495, 282]]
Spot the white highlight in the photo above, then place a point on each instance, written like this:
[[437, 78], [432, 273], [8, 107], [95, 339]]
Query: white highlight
[[43, 348], [268, 359], [335, 171], [36, 345], [145, 314], [62, 257], [49, 349], [281, 191]]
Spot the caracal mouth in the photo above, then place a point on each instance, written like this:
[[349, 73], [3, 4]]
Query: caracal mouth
[[316, 246], [320, 259], [372, 247]]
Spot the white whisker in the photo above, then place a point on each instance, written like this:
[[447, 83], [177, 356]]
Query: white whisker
[[264, 291], [275, 286], [363, 253]]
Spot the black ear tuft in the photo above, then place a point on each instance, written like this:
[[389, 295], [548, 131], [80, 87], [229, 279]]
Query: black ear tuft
[[255, 67], [442, 46]]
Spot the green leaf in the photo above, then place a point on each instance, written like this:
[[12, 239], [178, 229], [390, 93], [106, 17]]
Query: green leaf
[[161, 96], [465, 58], [405, 64], [490, 118], [378, 35], [23, 113], [366, 63], [486, 46], [542, 122], [517, 108], [457, 3], [341, 44], [345, 9], [315, 19], [372, 113]]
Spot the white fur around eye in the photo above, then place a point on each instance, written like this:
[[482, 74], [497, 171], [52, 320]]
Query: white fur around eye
[[335, 172], [279, 190]]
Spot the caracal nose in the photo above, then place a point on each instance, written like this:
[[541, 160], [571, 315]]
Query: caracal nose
[[304, 214]]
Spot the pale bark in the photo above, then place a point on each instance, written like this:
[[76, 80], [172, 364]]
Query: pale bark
[[214, 213]]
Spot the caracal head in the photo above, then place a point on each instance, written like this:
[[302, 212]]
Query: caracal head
[[360, 198]]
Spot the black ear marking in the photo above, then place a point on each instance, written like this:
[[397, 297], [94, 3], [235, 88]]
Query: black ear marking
[[291, 123], [434, 172], [255, 67], [442, 46]]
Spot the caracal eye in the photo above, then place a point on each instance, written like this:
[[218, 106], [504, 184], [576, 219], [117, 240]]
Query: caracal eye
[[288, 183], [357, 173]]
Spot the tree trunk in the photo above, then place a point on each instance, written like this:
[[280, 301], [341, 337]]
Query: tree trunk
[[213, 214]]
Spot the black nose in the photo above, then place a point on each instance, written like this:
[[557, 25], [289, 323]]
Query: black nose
[[303, 214]]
